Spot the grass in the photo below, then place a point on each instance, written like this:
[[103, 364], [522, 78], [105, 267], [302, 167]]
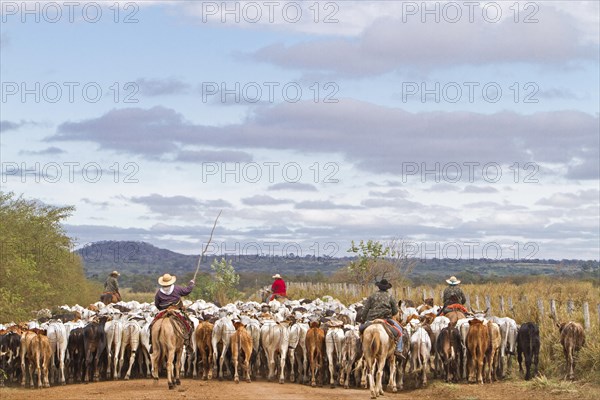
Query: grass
[[525, 309]]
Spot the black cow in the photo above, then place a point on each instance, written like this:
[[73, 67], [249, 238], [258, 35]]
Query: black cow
[[449, 348], [528, 344], [10, 362], [94, 342], [76, 349]]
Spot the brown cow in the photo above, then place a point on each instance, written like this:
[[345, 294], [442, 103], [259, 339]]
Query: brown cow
[[36, 353], [477, 346], [203, 335], [315, 346], [572, 338], [241, 340], [492, 355]]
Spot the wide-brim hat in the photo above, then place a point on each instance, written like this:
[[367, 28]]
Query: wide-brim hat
[[276, 276], [116, 273], [452, 281], [167, 280], [383, 284]]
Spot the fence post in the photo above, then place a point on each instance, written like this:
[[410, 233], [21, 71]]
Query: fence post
[[586, 316], [502, 305], [570, 307], [468, 301], [541, 307], [598, 308], [553, 308], [408, 292], [424, 294], [432, 294], [510, 305], [477, 302], [488, 305]]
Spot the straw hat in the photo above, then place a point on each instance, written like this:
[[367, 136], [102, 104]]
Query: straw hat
[[167, 280], [115, 273], [453, 281], [276, 276]]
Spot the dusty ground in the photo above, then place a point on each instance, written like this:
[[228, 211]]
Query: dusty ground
[[227, 390]]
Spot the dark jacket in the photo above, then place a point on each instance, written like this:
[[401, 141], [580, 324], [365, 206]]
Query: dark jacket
[[380, 304], [162, 301], [111, 285], [457, 293]]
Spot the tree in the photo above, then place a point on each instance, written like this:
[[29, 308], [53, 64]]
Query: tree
[[221, 286], [376, 260], [37, 266]]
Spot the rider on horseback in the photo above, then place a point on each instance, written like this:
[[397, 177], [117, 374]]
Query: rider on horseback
[[278, 288], [112, 285], [381, 305], [453, 295], [169, 295]]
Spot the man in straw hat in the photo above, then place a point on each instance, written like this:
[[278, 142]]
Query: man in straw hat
[[381, 305], [278, 287], [112, 284], [169, 294], [453, 295]]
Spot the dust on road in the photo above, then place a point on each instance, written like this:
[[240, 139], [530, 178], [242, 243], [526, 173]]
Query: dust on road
[[147, 389]]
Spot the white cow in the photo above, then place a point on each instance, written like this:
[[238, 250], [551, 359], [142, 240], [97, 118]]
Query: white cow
[[297, 337], [334, 344], [274, 339], [420, 350], [58, 338], [222, 331], [114, 333]]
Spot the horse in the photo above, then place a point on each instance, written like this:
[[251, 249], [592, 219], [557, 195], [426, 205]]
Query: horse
[[167, 342], [109, 298], [377, 348]]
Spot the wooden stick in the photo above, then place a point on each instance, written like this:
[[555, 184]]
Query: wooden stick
[[206, 247]]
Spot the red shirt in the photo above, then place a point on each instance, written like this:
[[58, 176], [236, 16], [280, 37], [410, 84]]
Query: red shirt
[[278, 287]]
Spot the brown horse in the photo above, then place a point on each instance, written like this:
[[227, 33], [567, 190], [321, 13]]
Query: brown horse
[[167, 342], [110, 297], [454, 316]]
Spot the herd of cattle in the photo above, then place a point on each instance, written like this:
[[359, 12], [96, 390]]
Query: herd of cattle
[[295, 340]]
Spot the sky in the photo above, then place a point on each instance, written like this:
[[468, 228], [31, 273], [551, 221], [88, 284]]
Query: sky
[[460, 129]]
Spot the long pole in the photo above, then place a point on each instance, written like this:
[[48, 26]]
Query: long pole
[[207, 244]]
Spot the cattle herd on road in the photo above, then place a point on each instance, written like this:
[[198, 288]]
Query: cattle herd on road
[[312, 342]]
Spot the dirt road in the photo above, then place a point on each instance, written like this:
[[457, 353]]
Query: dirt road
[[227, 390]]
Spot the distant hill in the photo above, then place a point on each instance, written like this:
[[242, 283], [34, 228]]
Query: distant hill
[[141, 258], [129, 257]]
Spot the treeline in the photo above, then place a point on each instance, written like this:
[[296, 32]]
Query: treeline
[[37, 268]]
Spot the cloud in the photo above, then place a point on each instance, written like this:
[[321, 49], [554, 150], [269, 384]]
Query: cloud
[[296, 186], [435, 137], [391, 43], [213, 156], [444, 187], [572, 200], [479, 189], [161, 87], [323, 205], [394, 193], [177, 206], [9, 125], [264, 200], [53, 150]]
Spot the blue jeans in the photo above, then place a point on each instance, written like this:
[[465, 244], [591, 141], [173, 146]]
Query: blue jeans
[[399, 345]]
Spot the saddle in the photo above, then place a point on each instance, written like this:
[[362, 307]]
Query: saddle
[[455, 307], [389, 327], [181, 318]]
